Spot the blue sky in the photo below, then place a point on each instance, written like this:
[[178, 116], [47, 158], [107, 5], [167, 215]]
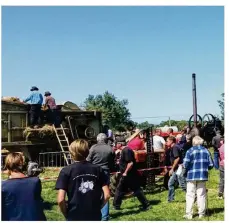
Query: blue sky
[[144, 54]]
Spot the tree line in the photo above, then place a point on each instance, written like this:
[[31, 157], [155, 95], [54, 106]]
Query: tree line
[[117, 116]]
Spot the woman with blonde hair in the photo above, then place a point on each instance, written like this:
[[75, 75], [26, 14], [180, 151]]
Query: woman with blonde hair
[[85, 185], [21, 195]]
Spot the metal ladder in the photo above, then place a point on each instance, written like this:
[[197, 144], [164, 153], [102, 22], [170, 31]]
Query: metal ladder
[[62, 139]]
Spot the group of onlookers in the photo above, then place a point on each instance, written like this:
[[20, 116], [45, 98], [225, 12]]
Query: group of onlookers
[[189, 162], [86, 181], [85, 184]]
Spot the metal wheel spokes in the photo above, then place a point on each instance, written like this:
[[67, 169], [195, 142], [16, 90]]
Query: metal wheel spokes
[[208, 119], [191, 121]]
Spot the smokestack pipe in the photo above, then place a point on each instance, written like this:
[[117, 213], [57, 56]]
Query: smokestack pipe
[[194, 98]]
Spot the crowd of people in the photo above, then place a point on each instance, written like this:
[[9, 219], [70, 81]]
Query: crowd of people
[[190, 162], [83, 187]]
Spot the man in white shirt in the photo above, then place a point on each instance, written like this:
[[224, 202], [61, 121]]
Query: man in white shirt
[[158, 141]]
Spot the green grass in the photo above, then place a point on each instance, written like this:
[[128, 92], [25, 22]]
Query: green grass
[[161, 210]]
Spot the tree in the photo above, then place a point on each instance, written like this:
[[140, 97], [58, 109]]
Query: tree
[[221, 105], [144, 125], [115, 114], [180, 124]]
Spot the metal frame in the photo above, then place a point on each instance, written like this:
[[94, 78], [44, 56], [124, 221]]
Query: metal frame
[[8, 113], [54, 159], [15, 112]]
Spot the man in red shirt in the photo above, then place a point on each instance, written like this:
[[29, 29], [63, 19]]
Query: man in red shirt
[[51, 104], [49, 100], [138, 143]]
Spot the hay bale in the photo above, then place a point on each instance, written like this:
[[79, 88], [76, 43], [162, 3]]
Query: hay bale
[[27, 132], [44, 107], [11, 99], [4, 151], [46, 130]]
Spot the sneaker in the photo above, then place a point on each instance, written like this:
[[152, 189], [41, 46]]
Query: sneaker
[[220, 195], [117, 208], [189, 217], [147, 207], [201, 216], [170, 201]]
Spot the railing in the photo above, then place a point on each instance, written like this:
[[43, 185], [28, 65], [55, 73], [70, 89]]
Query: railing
[[54, 159]]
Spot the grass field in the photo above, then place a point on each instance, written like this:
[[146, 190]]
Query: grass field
[[161, 210]]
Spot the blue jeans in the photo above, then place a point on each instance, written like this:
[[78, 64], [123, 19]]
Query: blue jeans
[[216, 160], [182, 182], [171, 186], [105, 209]]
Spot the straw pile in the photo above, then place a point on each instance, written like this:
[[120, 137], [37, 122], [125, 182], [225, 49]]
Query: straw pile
[[45, 131], [12, 99], [44, 108], [5, 151]]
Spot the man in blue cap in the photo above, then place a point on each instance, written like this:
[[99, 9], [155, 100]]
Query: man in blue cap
[[36, 100]]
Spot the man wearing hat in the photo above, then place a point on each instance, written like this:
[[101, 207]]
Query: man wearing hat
[[51, 104], [36, 100]]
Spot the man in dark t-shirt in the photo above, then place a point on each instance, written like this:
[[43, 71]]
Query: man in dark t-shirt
[[127, 156], [129, 179], [187, 145], [172, 159]]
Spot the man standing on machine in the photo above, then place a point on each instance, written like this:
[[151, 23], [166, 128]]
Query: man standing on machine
[[51, 104], [36, 100]]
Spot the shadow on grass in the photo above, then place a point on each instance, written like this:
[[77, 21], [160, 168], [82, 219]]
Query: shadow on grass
[[48, 205], [155, 191], [131, 212], [212, 211]]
